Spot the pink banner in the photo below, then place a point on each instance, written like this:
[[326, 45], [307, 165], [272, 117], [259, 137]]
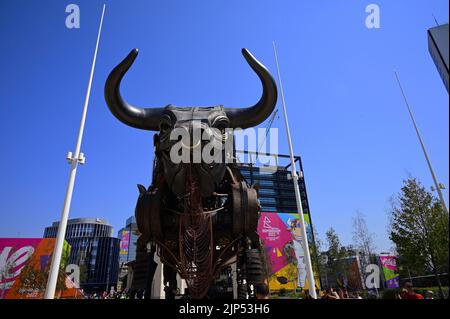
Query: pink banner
[[124, 243], [388, 262], [275, 235], [389, 266], [14, 255]]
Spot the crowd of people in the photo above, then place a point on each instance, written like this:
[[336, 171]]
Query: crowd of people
[[409, 293], [331, 293], [406, 293], [262, 292], [113, 295]]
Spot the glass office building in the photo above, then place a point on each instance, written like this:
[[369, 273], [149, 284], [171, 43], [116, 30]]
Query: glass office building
[[439, 50], [276, 187], [128, 240], [272, 173], [92, 248]]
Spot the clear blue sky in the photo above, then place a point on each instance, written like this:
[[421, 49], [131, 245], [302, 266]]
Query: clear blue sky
[[348, 119]]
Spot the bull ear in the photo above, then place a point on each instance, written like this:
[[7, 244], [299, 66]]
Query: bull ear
[[142, 189]]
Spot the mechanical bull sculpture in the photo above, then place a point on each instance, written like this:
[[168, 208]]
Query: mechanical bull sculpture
[[198, 217]]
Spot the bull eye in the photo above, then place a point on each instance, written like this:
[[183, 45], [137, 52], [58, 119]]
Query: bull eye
[[165, 124], [221, 123], [164, 127]]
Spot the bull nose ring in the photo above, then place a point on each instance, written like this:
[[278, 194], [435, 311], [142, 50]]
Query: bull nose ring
[[190, 147]]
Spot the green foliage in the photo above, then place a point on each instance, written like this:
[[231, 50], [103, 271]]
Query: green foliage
[[35, 279], [318, 265], [419, 229], [336, 253]]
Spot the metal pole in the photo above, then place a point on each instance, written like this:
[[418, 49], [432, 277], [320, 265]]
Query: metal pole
[[309, 270], [409, 274], [433, 175], [73, 160]]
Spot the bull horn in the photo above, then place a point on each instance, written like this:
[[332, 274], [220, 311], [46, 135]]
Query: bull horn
[[142, 118], [256, 114]]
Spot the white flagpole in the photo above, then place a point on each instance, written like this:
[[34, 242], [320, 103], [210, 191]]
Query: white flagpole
[[437, 185], [309, 270], [74, 159]]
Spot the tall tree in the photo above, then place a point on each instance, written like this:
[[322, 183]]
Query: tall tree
[[335, 254], [419, 229], [363, 238]]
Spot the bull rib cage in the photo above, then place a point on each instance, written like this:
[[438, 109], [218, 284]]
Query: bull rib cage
[[196, 242]]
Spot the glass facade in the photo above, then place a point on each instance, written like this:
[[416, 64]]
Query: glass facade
[[93, 249], [81, 227], [275, 192], [128, 240], [276, 188], [439, 50]]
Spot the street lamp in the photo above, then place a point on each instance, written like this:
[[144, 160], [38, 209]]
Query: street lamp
[[295, 177], [438, 186], [74, 160]]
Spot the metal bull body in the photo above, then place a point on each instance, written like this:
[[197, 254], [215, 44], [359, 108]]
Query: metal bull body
[[198, 217]]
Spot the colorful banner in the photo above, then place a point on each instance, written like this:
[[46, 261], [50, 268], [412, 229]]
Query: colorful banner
[[14, 255], [24, 266], [281, 237], [125, 242], [391, 276], [350, 278]]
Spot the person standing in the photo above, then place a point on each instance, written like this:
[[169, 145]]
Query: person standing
[[410, 293], [330, 294]]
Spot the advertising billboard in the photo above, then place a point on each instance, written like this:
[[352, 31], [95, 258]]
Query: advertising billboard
[[281, 236], [24, 266], [391, 276], [350, 277], [125, 242]]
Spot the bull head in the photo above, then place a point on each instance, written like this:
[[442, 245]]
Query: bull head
[[166, 119]]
